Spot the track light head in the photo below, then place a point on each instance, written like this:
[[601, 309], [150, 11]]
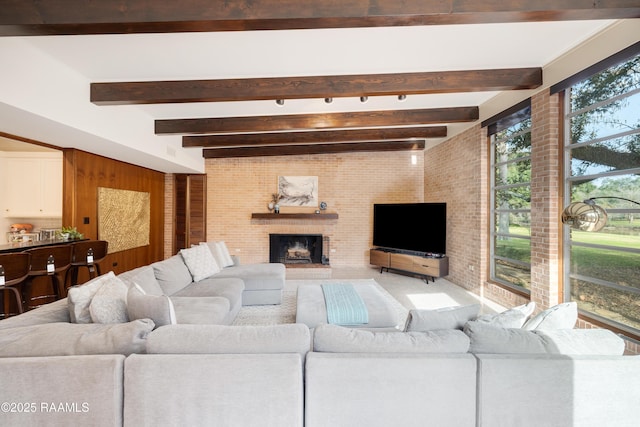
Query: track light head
[[328, 100], [402, 97], [280, 102], [364, 99]]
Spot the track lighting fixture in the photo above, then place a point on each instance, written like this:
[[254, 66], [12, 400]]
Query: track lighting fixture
[[364, 99], [402, 97], [328, 100], [280, 102]]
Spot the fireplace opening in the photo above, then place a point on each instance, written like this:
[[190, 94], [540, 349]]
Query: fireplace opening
[[295, 248]]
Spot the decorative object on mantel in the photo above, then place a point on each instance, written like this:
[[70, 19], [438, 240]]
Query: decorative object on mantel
[[298, 191], [274, 205]]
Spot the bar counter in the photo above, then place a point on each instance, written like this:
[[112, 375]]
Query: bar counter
[[23, 246]]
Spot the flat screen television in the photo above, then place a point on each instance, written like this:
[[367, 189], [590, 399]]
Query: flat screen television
[[411, 227]]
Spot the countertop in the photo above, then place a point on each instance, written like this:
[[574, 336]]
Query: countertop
[[23, 246]]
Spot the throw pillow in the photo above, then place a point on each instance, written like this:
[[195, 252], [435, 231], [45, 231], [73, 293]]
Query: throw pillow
[[561, 316], [337, 339], [222, 247], [109, 304], [442, 318], [200, 262], [512, 318], [79, 297], [158, 308], [217, 253], [67, 339]]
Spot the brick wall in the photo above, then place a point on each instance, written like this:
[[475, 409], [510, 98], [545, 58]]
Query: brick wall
[[349, 183]]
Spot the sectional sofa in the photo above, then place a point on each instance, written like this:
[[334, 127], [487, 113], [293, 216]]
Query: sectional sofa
[[448, 368]]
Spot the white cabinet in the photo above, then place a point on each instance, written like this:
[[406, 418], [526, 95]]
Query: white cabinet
[[32, 185]]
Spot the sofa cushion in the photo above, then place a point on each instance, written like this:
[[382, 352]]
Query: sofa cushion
[[109, 304], [442, 318], [561, 316], [492, 339], [337, 339], [200, 262], [202, 310], [64, 339], [158, 308], [512, 318], [57, 311], [144, 277], [229, 288], [210, 339], [79, 297], [172, 274]]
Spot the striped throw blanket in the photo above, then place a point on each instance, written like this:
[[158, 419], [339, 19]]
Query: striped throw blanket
[[344, 305]]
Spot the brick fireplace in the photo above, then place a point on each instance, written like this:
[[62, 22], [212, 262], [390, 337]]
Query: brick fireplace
[[298, 249]]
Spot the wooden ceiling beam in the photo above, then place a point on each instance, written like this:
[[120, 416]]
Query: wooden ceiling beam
[[292, 150], [155, 92], [327, 136], [55, 17], [300, 122]]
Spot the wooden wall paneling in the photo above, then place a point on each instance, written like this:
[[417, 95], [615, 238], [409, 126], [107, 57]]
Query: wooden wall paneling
[[190, 197], [83, 174]]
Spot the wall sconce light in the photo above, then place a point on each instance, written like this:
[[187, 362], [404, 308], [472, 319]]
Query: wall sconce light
[[402, 97], [328, 100], [586, 215], [280, 102], [364, 99]]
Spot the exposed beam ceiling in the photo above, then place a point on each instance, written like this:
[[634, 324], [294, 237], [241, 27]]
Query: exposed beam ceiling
[[154, 92], [177, 86], [365, 119], [50, 17], [290, 150], [279, 138]]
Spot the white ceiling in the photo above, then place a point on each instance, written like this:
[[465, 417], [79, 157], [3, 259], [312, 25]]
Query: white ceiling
[[44, 87]]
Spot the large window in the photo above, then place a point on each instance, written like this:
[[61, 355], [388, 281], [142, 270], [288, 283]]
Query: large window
[[511, 200], [602, 159]]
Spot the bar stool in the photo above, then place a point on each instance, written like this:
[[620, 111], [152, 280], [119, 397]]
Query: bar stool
[[14, 269], [51, 263], [88, 254]]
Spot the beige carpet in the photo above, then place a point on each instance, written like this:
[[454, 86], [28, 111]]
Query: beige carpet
[[286, 312]]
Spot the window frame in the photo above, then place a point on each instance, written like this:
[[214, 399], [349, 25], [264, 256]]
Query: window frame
[[513, 116], [568, 179]]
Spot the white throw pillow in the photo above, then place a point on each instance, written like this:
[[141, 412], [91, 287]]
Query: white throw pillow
[[158, 308], [442, 318], [109, 304], [79, 297], [561, 316], [228, 261], [200, 262], [512, 318]]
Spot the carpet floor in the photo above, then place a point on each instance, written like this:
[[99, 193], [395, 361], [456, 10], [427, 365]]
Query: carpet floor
[[286, 312]]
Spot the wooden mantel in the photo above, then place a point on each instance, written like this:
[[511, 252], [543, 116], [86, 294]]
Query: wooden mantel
[[309, 216]]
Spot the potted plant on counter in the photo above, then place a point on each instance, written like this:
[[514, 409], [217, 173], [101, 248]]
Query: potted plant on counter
[[70, 233]]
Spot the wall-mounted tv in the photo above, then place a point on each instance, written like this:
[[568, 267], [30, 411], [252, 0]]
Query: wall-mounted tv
[[411, 227]]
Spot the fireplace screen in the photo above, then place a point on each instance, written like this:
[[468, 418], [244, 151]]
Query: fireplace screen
[[295, 248]]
